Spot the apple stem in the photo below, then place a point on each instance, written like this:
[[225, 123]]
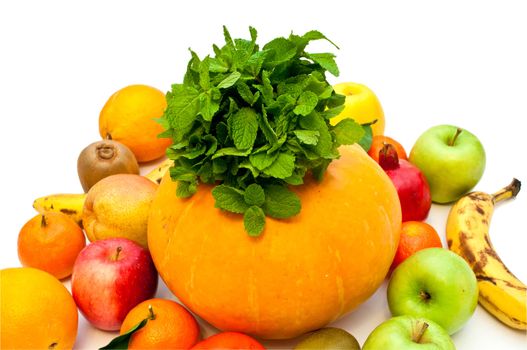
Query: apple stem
[[152, 315], [422, 327], [458, 131], [117, 252], [43, 222], [388, 159]]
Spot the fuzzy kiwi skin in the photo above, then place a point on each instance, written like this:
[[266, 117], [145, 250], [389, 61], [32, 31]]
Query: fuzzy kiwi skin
[[104, 158]]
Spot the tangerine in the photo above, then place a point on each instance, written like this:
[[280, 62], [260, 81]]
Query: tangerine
[[51, 242], [37, 311], [169, 326]]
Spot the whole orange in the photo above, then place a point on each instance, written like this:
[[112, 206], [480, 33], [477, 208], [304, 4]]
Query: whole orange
[[51, 242], [37, 311], [415, 236], [129, 117], [169, 326], [301, 273], [378, 142]]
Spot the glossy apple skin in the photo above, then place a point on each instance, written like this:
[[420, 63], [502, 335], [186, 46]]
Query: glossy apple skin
[[105, 289], [396, 334], [451, 171], [436, 284]]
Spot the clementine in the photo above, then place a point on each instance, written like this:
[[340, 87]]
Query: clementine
[[415, 236], [169, 326], [129, 117], [36, 311], [51, 242], [378, 141], [228, 340], [301, 273]]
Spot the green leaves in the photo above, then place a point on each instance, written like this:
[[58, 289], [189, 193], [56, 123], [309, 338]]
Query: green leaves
[[256, 121]]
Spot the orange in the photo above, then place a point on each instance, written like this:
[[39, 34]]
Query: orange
[[170, 326], [415, 236], [129, 117], [301, 273], [379, 141], [37, 311], [51, 242]]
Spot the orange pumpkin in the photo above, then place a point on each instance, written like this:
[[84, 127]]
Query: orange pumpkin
[[301, 273]]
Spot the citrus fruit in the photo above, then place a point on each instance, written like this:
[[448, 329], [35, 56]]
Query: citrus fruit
[[118, 206], [50, 242], [378, 141], [129, 117], [169, 326], [415, 236], [37, 311], [361, 105], [228, 341], [312, 268]]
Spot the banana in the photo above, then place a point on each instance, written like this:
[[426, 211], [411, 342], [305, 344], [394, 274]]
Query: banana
[[72, 204], [467, 233]]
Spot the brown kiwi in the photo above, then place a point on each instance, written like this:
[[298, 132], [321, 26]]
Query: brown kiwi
[[104, 158]]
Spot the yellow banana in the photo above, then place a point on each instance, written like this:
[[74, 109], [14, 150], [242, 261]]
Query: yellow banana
[[467, 233], [72, 204]]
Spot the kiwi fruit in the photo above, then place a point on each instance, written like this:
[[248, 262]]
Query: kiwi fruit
[[329, 338], [104, 158]]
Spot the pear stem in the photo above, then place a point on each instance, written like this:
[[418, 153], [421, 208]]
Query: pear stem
[[422, 327], [453, 141]]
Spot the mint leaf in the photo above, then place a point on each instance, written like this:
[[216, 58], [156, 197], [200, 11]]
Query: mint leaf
[[231, 151], [254, 195], [306, 103], [183, 103], [326, 61], [208, 106], [308, 137], [243, 128], [366, 140], [254, 221], [229, 198], [348, 132], [186, 189], [324, 146], [280, 202], [282, 167], [262, 160], [280, 50], [229, 81]]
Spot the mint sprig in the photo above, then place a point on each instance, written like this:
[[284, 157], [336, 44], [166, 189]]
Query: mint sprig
[[256, 121]]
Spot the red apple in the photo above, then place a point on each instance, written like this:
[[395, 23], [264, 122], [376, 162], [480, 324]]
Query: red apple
[[110, 277]]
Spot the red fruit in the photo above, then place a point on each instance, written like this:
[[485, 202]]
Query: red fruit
[[228, 341], [411, 185]]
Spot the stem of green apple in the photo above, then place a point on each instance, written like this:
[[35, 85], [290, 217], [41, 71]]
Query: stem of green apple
[[420, 331], [458, 131]]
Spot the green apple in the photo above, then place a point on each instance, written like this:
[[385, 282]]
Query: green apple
[[452, 160], [408, 333], [329, 338], [435, 284]]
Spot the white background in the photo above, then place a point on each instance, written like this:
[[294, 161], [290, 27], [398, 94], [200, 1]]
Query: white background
[[430, 63]]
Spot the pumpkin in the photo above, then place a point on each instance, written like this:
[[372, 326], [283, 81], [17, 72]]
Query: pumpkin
[[299, 274]]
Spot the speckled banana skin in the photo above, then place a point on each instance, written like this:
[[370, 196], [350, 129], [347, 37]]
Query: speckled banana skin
[[467, 233]]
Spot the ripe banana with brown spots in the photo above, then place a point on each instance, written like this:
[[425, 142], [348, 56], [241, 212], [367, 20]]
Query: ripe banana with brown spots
[[467, 233], [72, 204]]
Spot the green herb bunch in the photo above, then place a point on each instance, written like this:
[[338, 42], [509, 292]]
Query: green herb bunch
[[254, 121]]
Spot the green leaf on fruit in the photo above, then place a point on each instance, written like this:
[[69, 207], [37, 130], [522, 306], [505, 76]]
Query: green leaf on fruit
[[121, 342]]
